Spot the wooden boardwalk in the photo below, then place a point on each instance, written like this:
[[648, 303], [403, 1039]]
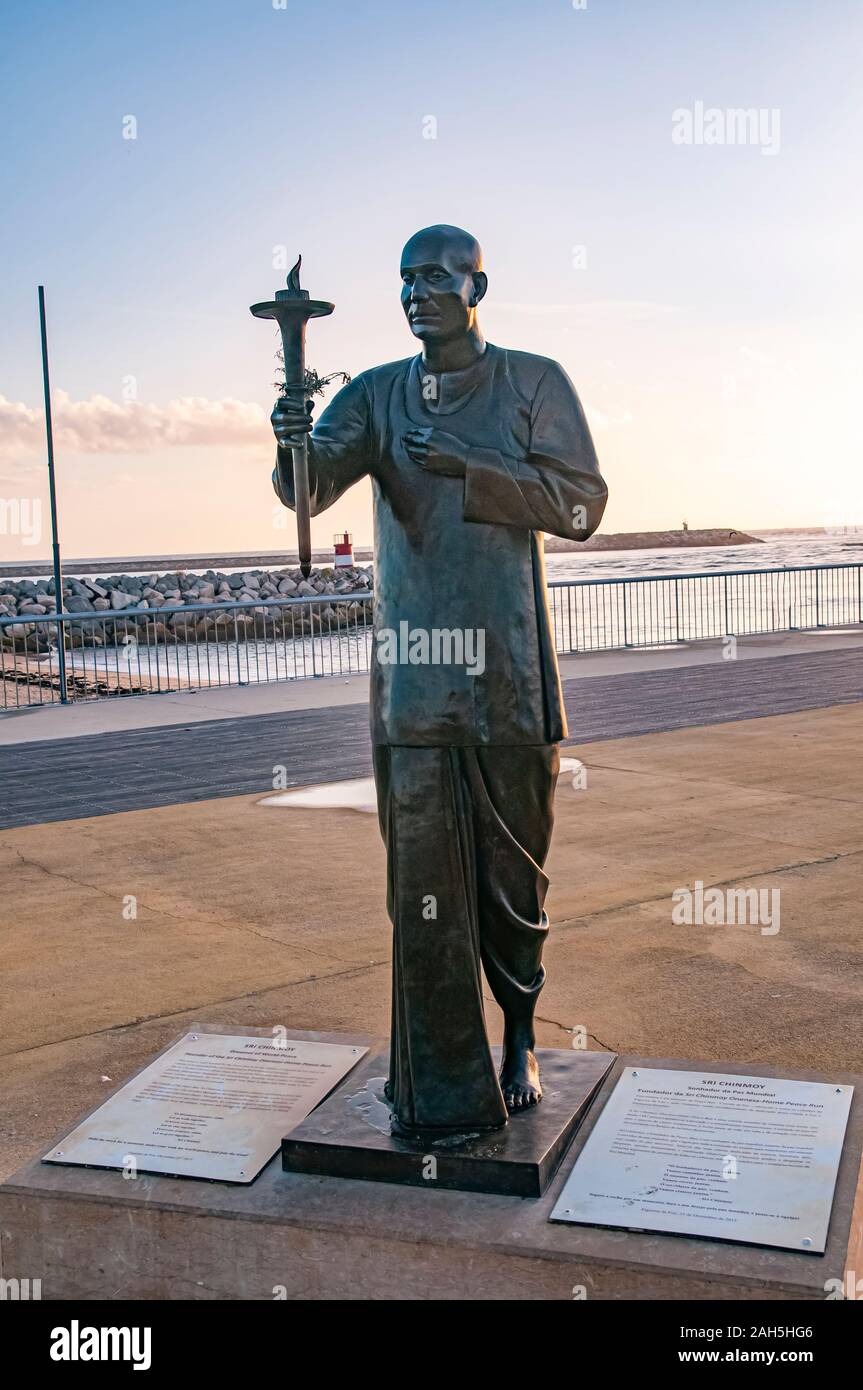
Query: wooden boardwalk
[[21, 674], [100, 774]]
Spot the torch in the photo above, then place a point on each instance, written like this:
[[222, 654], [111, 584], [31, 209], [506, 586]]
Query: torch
[[292, 308]]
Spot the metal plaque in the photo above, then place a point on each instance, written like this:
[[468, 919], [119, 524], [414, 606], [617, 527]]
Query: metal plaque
[[213, 1105], [742, 1158]]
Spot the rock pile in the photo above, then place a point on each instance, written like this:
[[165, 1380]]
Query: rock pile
[[128, 603]]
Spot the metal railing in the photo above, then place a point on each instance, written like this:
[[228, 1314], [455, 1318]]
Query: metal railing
[[183, 647], [604, 614], [198, 646]]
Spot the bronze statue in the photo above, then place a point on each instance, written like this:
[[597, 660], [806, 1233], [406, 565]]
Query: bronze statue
[[474, 451]]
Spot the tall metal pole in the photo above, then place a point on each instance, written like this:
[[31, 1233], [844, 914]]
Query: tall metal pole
[[55, 541]]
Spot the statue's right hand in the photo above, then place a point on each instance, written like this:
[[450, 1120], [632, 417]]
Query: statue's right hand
[[289, 423]]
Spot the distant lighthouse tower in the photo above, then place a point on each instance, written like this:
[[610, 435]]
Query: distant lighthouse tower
[[344, 550]]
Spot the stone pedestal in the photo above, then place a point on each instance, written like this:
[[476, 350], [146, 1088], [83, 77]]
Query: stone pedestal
[[89, 1234], [349, 1135]]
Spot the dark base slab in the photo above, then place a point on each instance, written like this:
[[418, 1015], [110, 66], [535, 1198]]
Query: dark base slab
[[348, 1135]]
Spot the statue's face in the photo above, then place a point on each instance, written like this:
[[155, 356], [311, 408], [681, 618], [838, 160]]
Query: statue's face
[[438, 295]]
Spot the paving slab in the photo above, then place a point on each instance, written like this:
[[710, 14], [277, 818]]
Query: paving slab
[[258, 915]]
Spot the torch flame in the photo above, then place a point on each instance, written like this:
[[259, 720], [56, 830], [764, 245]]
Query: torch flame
[[294, 277]]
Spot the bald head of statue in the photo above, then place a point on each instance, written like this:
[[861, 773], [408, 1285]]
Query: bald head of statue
[[442, 284]]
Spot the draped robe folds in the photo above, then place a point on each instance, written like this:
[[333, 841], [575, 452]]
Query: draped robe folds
[[465, 754]]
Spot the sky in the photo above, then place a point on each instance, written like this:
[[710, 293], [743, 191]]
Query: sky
[[698, 278]]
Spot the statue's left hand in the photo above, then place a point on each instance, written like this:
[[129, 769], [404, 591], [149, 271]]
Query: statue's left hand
[[436, 451]]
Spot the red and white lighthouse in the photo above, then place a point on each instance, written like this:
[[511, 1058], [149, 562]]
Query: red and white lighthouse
[[344, 550]]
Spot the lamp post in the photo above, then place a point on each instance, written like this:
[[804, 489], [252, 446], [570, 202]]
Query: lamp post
[[52, 491]]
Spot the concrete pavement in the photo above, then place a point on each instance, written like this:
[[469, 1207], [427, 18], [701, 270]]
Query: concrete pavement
[[117, 932], [131, 769]]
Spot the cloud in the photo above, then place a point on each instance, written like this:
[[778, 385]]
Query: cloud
[[102, 426]]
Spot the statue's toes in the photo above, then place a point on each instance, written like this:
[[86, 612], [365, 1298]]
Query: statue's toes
[[521, 1097]]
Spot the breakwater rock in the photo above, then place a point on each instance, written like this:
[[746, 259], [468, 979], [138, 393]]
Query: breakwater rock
[[652, 540], [114, 608]]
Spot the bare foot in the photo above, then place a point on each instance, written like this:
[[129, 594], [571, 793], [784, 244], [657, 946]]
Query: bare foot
[[519, 1075]]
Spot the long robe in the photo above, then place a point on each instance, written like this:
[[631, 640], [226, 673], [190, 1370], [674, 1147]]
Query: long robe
[[465, 758], [467, 831]]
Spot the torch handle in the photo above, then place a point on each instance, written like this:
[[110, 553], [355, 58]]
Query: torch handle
[[292, 308], [294, 349], [302, 504]]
